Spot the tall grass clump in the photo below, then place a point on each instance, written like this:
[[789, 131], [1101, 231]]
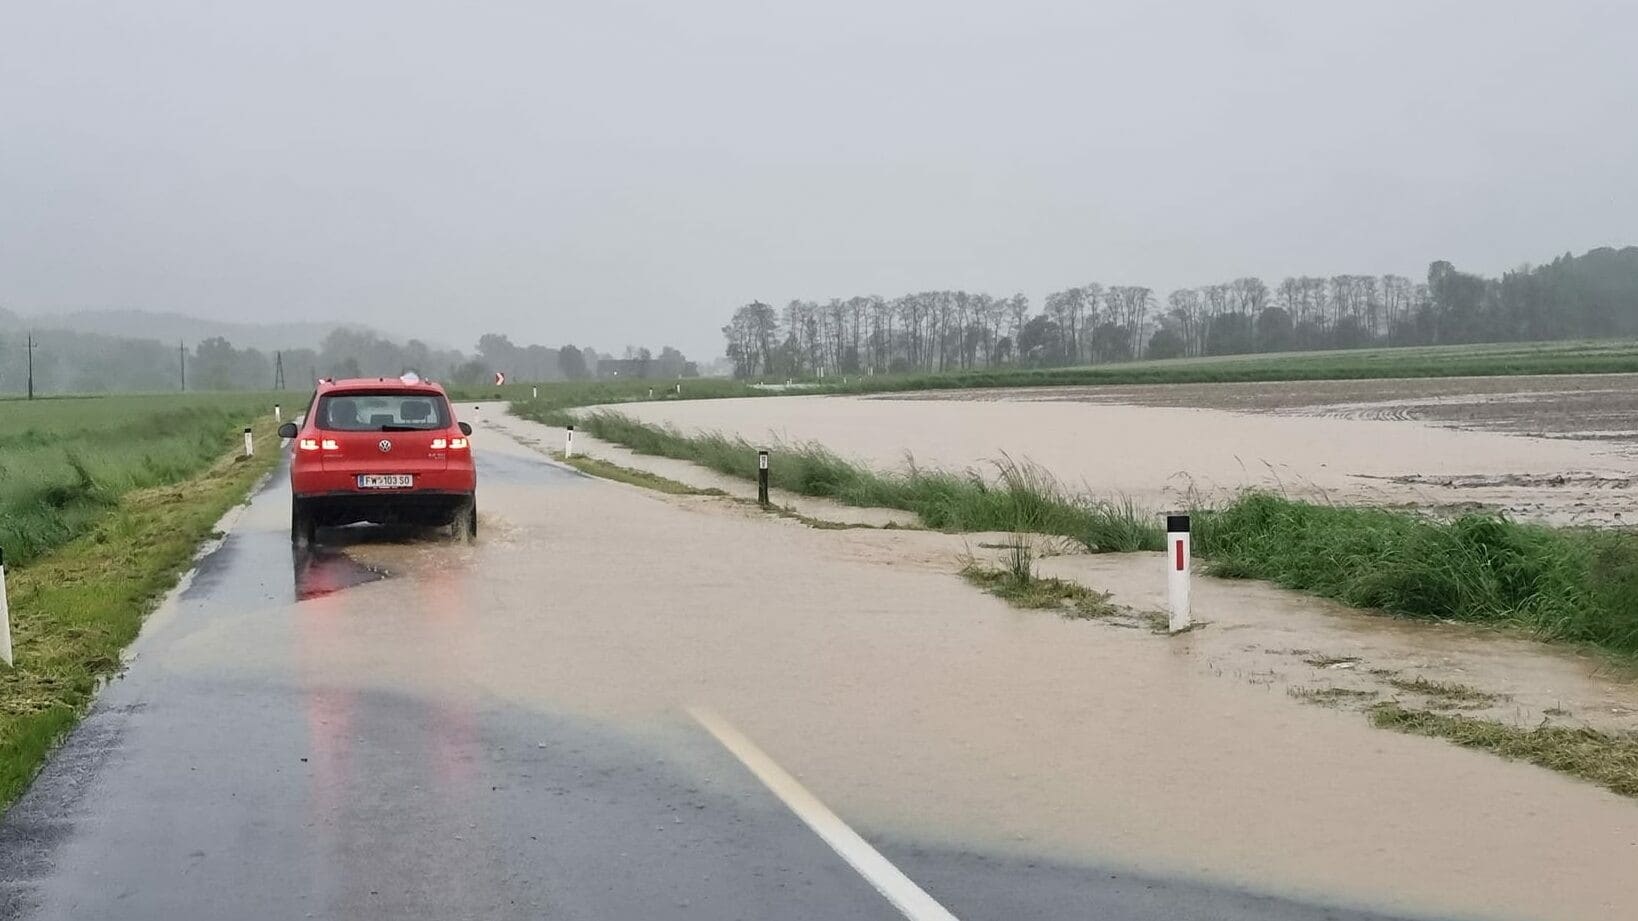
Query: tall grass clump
[[1018, 497], [1567, 584]]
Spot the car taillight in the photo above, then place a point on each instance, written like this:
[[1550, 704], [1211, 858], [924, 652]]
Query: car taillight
[[458, 444], [330, 445], [308, 444], [438, 444]]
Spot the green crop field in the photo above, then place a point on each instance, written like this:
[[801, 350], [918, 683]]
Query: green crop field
[[1601, 356], [64, 462]]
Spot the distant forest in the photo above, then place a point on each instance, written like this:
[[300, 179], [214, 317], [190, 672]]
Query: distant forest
[[78, 361], [1591, 296]]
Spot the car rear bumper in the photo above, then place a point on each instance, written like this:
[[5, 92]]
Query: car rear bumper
[[418, 506], [306, 481]]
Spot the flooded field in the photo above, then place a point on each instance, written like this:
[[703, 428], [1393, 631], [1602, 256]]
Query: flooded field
[[1556, 449]]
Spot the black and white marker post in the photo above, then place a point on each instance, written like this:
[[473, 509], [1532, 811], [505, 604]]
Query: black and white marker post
[[5, 614], [568, 443], [762, 476], [250, 448], [1177, 571], [277, 413]]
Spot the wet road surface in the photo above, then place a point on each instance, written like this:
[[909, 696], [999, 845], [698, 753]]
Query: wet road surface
[[240, 770]]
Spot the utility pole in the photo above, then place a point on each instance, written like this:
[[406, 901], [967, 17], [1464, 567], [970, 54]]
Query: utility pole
[[182, 364], [31, 366], [278, 370]]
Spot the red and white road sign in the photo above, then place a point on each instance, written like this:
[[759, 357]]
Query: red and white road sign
[[500, 378]]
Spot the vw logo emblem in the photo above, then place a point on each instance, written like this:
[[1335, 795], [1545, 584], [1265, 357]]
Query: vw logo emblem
[[384, 445]]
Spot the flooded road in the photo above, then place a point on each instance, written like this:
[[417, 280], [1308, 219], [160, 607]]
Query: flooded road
[[406, 728]]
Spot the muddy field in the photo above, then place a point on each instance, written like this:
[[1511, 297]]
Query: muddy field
[[1560, 449], [1593, 407]]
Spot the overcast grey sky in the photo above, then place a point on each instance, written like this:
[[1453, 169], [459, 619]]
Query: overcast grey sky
[[613, 172]]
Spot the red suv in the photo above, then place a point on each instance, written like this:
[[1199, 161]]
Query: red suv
[[382, 450]]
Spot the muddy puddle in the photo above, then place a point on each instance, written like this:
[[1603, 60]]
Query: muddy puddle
[[914, 705], [325, 571]]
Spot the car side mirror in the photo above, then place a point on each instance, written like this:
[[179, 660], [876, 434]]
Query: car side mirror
[[288, 430], [466, 429]]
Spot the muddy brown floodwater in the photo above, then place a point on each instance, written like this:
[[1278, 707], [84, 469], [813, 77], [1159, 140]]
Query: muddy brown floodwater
[[1555, 449], [912, 704]]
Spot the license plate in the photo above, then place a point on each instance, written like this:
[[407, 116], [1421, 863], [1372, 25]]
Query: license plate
[[385, 481]]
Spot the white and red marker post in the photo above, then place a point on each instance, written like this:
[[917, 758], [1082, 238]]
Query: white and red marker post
[[568, 443], [5, 614], [1177, 571]]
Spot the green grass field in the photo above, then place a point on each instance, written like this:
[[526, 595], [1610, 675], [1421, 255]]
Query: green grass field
[[65, 462], [1581, 357], [103, 503]]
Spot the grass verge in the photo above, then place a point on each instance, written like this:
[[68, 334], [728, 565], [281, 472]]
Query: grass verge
[[1605, 759], [608, 470], [75, 608], [1017, 583], [1576, 585], [1017, 497]]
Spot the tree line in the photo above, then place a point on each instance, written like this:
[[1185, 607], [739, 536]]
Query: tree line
[[67, 361], [1590, 296]]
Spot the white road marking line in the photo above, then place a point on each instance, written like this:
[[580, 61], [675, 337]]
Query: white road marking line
[[897, 888]]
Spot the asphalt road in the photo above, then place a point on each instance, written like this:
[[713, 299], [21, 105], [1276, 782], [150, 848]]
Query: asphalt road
[[199, 789]]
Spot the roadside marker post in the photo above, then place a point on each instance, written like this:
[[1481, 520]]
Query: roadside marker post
[[250, 448], [5, 615], [1177, 572], [568, 443], [651, 393], [762, 476], [534, 393], [679, 390], [276, 413]]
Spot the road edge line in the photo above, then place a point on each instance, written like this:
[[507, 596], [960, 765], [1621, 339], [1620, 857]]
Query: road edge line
[[887, 879]]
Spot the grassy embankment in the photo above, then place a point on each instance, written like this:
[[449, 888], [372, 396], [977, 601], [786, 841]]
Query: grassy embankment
[[103, 503], [1572, 585]]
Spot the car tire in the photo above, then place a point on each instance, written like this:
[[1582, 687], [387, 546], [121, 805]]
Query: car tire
[[303, 526], [464, 526]]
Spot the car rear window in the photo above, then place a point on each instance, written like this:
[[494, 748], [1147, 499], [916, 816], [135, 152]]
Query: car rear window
[[382, 411]]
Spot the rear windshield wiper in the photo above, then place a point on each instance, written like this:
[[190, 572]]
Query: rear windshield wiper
[[405, 428]]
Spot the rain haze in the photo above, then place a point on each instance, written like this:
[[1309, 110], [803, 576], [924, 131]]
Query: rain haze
[[625, 172]]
